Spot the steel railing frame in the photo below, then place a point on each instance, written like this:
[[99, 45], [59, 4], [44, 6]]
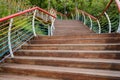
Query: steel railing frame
[[96, 19], [33, 10]]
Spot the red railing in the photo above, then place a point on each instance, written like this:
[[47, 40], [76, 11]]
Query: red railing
[[105, 15], [87, 14], [26, 11], [108, 5], [18, 28], [118, 4], [60, 14]]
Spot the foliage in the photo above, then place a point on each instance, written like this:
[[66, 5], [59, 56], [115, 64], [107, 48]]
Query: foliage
[[94, 7], [8, 7], [91, 6]]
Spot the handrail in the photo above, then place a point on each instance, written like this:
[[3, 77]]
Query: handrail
[[118, 4], [108, 5], [90, 19], [26, 11], [105, 16], [21, 27], [61, 14], [87, 14]]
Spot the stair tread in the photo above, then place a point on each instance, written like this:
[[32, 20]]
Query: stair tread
[[78, 36], [111, 44], [6, 76], [67, 27], [93, 34], [109, 38], [71, 51], [70, 59], [95, 72]]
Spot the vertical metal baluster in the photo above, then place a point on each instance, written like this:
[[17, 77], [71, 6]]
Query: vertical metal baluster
[[99, 26], [33, 23], [46, 17], [76, 15], [119, 25], [42, 15], [52, 25], [9, 38], [84, 18], [49, 30], [91, 23], [109, 22], [61, 17]]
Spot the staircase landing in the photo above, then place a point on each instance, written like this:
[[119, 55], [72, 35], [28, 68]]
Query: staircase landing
[[70, 27]]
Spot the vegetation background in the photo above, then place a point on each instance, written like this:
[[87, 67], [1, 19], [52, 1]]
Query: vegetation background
[[94, 7]]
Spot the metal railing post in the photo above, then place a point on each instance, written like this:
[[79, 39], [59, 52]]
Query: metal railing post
[[76, 15], [52, 27], [33, 23], [9, 38], [72, 16], [99, 26], [42, 15], [109, 22], [84, 18], [91, 23], [61, 17], [49, 30], [119, 25], [46, 19]]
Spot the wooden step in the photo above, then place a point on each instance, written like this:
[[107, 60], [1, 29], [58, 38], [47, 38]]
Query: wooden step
[[87, 36], [70, 28], [68, 32], [61, 72], [6, 76], [108, 64], [76, 41], [71, 47], [71, 53]]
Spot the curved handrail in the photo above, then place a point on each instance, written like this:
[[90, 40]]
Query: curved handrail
[[118, 4], [61, 14], [104, 13], [108, 5], [90, 18], [21, 27], [26, 11], [87, 14]]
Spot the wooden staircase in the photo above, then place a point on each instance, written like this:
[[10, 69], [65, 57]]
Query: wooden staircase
[[82, 56], [70, 27]]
